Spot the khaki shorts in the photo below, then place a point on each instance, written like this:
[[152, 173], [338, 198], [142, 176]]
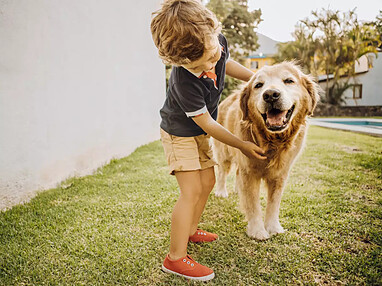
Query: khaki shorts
[[187, 153]]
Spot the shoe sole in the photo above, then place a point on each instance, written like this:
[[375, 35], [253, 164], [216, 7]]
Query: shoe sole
[[204, 241], [202, 278]]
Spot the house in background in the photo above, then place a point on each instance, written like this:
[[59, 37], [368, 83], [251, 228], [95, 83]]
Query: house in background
[[263, 55], [81, 83], [366, 85]]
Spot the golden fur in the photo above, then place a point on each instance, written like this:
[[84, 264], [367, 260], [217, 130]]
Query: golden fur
[[273, 90]]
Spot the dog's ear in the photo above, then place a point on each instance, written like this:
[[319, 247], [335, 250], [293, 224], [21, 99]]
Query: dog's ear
[[313, 89], [244, 96]]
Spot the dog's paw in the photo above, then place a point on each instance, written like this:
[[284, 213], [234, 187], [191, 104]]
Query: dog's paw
[[258, 233], [274, 228], [221, 193]]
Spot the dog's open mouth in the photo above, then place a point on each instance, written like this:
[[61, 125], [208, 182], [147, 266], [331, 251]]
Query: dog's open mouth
[[276, 119]]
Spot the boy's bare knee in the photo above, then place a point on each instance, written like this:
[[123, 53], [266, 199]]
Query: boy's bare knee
[[209, 184], [193, 194]]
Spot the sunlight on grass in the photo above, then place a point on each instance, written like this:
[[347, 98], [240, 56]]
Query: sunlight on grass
[[113, 227]]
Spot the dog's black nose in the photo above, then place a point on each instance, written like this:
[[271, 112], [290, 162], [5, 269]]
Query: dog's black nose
[[271, 95]]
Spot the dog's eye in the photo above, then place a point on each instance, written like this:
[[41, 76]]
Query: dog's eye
[[259, 84], [288, 80]]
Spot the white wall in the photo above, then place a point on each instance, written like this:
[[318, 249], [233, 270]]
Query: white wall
[[362, 64], [80, 83], [371, 85]]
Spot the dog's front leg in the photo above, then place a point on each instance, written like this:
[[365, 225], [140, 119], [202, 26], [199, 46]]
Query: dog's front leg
[[275, 189], [249, 192]]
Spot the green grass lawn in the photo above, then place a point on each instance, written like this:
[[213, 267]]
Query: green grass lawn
[[112, 228]]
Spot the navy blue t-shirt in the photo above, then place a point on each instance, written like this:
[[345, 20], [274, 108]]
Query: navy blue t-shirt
[[189, 95]]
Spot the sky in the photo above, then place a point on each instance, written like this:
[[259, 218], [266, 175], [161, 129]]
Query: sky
[[279, 17]]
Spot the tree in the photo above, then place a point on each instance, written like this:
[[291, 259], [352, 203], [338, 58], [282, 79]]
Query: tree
[[238, 25], [330, 44], [378, 27], [302, 50]]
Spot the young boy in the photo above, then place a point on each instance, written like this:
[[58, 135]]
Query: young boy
[[188, 36]]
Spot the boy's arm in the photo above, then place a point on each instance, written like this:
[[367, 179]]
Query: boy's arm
[[213, 128], [238, 71]]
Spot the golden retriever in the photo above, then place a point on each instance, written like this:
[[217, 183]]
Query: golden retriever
[[270, 110]]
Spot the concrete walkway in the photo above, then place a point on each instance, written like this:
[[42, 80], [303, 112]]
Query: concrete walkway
[[345, 124]]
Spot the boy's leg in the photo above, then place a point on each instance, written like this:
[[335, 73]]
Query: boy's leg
[[207, 178], [191, 188]]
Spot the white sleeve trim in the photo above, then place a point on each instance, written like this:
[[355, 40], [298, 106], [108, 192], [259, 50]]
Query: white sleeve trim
[[197, 112]]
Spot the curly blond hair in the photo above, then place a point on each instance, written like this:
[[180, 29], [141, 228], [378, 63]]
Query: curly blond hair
[[179, 30]]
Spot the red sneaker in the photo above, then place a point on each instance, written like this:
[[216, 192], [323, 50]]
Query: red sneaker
[[203, 236], [188, 268]]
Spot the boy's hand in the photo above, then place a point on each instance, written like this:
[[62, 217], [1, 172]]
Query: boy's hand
[[210, 126], [251, 150]]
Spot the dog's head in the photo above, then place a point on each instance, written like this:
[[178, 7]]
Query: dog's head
[[277, 95]]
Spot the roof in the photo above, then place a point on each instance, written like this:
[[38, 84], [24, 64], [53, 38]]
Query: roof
[[260, 56], [267, 47], [331, 76]]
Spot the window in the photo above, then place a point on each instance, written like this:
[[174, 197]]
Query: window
[[254, 65], [357, 91]]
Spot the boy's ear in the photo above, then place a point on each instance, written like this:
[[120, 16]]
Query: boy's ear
[[244, 97]]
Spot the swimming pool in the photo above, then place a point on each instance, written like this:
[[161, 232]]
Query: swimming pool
[[368, 126], [367, 123]]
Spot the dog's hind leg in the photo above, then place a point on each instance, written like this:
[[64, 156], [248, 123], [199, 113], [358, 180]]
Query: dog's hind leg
[[275, 189], [223, 170], [249, 192]]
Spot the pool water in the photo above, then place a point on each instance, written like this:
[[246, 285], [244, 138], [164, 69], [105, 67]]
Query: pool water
[[366, 123]]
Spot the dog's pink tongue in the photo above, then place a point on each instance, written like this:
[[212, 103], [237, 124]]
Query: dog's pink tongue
[[276, 119]]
